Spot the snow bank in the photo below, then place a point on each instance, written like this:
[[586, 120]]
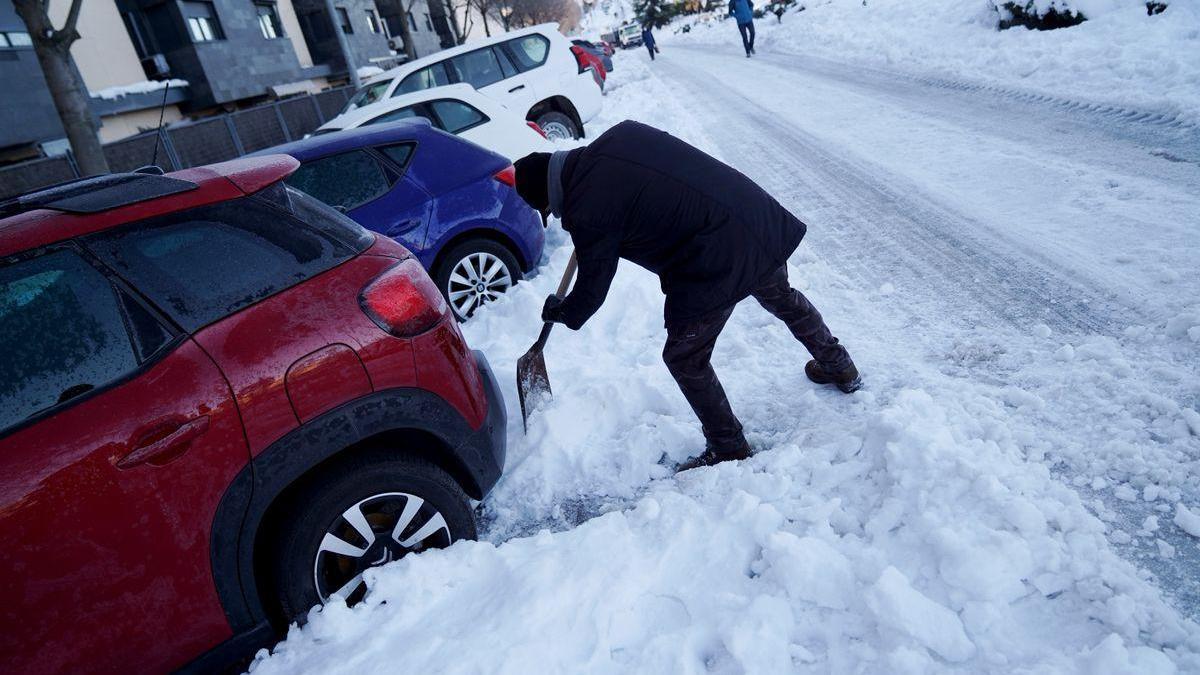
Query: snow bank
[[143, 87], [914, 527], [1120, 55]]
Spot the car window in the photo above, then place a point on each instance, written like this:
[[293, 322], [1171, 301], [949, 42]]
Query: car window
[[347, 180], [425, 78], [506, 64], [456, 116], [329, 221], [529, 51], [369, 94], [63, 334], [478, 68], [399, 153], [395, 115], [203, 264]]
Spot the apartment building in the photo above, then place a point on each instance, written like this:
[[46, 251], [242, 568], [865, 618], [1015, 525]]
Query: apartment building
[[218, 55]]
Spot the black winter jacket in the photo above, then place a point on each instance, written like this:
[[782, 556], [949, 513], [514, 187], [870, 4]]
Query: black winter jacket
[[708, 232]]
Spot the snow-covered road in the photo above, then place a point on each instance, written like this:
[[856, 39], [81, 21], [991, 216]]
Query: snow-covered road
[[1018, 281]]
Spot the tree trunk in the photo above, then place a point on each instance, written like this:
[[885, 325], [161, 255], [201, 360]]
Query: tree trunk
[[453, 17], [406, 31], [486, 31], [70, 95]]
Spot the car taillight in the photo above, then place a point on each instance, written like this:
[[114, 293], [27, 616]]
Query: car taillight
[[535, 127], [403, 300], [580, 57], [508, 175]]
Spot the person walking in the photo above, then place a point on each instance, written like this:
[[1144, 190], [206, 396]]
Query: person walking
[[743, 12], [648, 40], [713, 237]]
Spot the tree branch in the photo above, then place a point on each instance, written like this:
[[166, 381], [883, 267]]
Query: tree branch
[[72, 18]]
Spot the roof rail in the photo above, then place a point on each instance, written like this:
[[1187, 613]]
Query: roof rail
[[96, 194]]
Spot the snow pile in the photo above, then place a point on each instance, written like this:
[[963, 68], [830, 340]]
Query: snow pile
[[914, 527], [369, 71], [1120, 55], [143, 87]]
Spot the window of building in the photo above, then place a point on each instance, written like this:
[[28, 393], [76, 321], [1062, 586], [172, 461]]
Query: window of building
[[373, 22], [202, 22], [64, 334], [428, 23], [425, 78], [412, 21], [456, 116], [344, 20], [14, 39], [478, 68], [345, 181], [268, 20]]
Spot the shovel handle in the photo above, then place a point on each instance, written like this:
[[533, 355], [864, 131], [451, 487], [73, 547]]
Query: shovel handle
[[568, 274]]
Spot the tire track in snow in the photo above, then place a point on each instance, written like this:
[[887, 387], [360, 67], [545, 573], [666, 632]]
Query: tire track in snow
[[883, 229]]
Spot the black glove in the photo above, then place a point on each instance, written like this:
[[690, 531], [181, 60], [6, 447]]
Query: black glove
[[552, 310]]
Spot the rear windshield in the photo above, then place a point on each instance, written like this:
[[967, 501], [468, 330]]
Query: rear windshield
[[203, 264]]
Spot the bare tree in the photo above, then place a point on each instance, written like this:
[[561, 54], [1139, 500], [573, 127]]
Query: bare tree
[[53, 49], [533, 12]]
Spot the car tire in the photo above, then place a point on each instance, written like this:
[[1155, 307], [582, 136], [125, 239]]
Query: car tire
[[306, 565], [473, 260], [558, 127]]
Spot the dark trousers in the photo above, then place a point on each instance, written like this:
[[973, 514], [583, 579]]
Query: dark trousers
[[651, 48], [747, 31], [689, 348]]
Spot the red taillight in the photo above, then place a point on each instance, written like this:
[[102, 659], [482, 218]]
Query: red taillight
[[403, 300], [508, 175], [535, 127]]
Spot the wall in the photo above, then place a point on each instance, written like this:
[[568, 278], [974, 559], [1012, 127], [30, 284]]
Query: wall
[[104, 53], [291, 26], [116, 127]]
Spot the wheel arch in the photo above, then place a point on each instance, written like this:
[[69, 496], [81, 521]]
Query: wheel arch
[[478, 231], [560, 104], [411, 422]]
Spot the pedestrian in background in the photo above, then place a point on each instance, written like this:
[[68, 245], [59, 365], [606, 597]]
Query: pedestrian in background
[[743, 12], [648, 39]]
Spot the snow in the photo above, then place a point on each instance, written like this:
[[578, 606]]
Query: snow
[[1120, 55], [995, 500], [369, 71], [143, 87]]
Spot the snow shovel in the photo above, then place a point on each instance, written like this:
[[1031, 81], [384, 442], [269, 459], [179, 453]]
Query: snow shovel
[[533, 382]]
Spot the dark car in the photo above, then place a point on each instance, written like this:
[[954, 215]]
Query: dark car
[[449, 201], [220, 402]]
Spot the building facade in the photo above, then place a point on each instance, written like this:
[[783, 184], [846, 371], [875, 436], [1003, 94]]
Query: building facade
[[217, 55]]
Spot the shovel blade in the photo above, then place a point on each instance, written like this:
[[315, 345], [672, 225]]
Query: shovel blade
[[533, 382]]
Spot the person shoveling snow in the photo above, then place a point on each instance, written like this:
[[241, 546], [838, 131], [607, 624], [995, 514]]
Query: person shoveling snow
[[712, 236]]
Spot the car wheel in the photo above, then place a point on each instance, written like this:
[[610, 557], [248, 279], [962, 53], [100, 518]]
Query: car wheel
[[558, 127], [366, 512], [475, 273]]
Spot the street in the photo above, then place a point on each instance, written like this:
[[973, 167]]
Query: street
[[1016, 277]]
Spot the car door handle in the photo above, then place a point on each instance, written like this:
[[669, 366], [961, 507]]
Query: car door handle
[[165, 448], [404, 226], [516, 88]]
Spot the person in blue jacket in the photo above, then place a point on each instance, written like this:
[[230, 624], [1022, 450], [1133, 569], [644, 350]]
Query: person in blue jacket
[[743, 12], [648, 40]]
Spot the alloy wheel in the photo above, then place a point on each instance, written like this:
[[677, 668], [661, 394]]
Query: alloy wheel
[[475, 280], [373, 532]]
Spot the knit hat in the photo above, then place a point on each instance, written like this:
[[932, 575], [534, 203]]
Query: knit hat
[[533, 181]]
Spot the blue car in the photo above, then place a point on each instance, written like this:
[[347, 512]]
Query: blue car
[[449, 201]]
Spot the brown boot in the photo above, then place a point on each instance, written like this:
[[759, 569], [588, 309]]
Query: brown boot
[[712, 455], [847, 380]]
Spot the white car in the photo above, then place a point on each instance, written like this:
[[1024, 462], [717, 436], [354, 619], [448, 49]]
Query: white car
[[457, 109], [532, 71]]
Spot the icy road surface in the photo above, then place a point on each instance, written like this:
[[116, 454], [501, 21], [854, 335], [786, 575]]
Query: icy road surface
[[1013, 490]]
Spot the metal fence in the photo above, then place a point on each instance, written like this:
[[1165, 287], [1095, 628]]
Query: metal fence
[[191, 143]]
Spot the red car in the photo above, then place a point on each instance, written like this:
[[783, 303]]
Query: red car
[[220, 402]]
